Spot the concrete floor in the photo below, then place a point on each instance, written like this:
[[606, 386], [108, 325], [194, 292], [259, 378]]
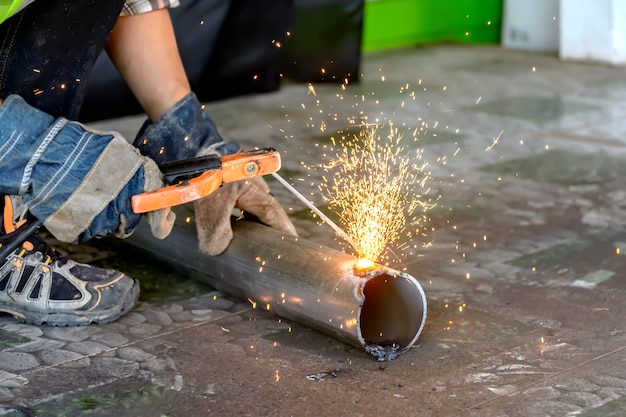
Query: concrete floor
[[522, 278]]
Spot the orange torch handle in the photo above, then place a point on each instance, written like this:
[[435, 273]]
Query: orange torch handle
[[234, 167]]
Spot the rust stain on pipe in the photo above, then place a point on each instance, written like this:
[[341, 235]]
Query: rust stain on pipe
[[381, 310]]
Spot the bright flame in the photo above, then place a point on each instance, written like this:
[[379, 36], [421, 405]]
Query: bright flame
[[375, 185], [363, 264]]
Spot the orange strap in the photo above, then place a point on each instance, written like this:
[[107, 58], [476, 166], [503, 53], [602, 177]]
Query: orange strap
[[8, 215]]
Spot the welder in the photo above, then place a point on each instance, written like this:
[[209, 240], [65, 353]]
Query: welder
[[78, 182]]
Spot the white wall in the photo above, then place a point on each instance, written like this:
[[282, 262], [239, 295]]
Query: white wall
[[531, 25], [593, 30]]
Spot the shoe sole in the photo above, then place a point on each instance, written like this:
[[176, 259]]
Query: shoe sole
[[75, 318]]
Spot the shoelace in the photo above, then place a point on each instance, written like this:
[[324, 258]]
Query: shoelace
[[38, 245]]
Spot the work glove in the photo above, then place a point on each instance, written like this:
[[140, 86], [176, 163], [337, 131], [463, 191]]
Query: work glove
[[184, 131], [187, 131], [79, 182], [213, 213]]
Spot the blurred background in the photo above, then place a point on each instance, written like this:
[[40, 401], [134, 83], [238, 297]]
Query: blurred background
[[240, 47]]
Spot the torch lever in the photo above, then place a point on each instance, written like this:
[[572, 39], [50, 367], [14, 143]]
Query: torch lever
[[195, 178]]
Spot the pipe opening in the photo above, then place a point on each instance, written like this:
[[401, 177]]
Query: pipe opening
[[393, 314]]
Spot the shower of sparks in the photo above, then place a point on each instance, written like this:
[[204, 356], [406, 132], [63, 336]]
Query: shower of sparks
[[378, 189]]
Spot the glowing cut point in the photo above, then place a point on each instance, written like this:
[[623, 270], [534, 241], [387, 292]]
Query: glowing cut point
[[363, 264]]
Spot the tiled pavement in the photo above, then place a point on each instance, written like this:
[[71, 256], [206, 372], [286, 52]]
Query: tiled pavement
[[523, 278]]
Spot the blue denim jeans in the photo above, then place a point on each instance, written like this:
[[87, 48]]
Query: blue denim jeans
[[48, 49], [47, 161], [46, 54]]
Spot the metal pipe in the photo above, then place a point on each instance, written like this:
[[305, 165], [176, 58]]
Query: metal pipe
[[379, 309]]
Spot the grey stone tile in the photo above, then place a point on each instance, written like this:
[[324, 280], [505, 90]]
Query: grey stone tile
[[537, 109]]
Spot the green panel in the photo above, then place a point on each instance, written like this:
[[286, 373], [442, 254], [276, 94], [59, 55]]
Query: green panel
[[397, 23]]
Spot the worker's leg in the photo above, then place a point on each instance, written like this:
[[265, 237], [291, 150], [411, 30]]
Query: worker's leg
[[46, 53], [79, 183]]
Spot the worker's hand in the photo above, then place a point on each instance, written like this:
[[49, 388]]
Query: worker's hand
[[160, 221], [79, 182], [184, 131], [101, 205], [213, 213]]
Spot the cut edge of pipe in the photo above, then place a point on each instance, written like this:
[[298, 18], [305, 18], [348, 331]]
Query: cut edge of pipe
[[392, 314]]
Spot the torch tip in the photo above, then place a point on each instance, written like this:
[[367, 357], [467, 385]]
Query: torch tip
[[363, 265]]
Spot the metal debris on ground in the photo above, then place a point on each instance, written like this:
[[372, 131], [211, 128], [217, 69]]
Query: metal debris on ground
[[16, 411], [321, 375], [383, 353]]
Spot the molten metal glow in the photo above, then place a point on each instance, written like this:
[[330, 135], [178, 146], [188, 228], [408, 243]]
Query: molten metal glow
[[363, 264], [377, 188]]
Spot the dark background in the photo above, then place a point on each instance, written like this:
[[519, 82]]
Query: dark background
[[229, 48]]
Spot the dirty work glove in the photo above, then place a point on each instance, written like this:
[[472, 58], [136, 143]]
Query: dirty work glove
[[184, 131], [213, 213], [77, 181]]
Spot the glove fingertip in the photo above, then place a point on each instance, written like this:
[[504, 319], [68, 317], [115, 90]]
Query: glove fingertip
[[274, 216], [161, 223], [212, 244], [212, 227], [284, 225]]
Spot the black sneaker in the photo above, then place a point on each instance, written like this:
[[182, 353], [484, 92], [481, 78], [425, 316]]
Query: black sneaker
[[39, 286]]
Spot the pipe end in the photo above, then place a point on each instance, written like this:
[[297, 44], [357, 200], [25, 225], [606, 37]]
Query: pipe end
[[393, 314]]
